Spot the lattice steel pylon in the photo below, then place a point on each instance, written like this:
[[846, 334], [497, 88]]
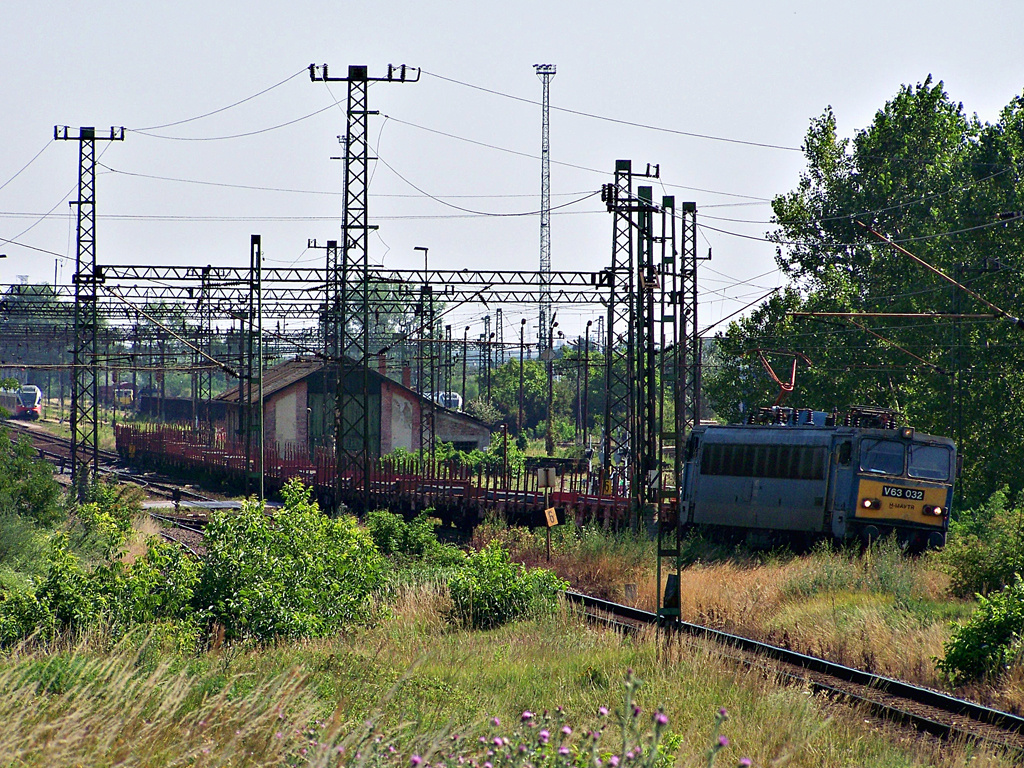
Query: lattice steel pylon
[[630, 215], [680, 374], [691, 341], [350, 290], [545, 72], [84, 381]]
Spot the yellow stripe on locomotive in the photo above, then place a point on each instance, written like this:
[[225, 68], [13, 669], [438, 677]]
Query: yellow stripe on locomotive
[[902, 502]]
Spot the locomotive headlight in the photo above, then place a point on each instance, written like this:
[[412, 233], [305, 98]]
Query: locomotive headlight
[[871, 504], [931, 509]]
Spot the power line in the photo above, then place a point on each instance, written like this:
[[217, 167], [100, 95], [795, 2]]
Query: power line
[[234, 135], [26, 165], [616, 120], [217, 111]]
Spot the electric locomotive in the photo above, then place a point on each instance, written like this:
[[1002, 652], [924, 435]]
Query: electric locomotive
[[811, 474]]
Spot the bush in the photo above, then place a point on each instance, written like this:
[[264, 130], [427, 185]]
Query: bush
[[990, 640], [109, 513], [287, 573], [986, 546], [411, 541], [27, 485], [491, 590]]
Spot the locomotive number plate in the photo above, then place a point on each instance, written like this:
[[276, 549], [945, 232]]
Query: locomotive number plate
[[913, 494]]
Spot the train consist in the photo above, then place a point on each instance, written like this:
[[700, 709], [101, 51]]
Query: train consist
[[23, 403], [810, 474]]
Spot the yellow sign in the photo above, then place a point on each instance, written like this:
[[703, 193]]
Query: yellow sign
[[551, 516]]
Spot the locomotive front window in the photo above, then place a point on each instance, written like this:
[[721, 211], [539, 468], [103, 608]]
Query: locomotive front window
[[929, 462], [882, 456]]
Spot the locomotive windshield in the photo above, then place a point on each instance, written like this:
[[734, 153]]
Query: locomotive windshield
[[882, 456], [929, 462]]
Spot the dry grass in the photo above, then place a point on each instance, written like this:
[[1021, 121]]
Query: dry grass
[[882, 612], [419, 681]]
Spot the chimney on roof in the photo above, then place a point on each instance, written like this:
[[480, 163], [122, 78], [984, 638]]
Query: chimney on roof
[[382, 364], [406, 374]]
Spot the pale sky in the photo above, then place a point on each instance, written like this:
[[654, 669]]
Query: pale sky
[[748, 71]]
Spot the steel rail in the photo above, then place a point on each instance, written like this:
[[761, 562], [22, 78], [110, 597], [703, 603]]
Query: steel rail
[[925, 696]]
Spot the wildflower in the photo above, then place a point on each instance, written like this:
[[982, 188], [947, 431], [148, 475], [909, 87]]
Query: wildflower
[[636, 710], [543, 736], [661, 718], [745, 762], [563, 751], [415, 760], [488, 765], [391, 748], [482, 739], [495, 722], [613, 761], [527, 715], [206, 750], [723, 714], [522, 749], [566, 730], [723, 741], [497, 741], [602, 711], [279, 735]]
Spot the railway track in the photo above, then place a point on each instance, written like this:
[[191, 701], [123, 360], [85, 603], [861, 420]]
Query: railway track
[[53, 447], [925, 709]]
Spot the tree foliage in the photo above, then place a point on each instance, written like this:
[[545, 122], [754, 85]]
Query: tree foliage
[[941, 184]]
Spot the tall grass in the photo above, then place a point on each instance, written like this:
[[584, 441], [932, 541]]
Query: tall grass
[[415, 683]]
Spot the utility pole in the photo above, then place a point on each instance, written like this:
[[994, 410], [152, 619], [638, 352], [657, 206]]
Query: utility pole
[[545, 72], [350, 293], [84, 400], [522, 346], [465, 359], [549, 437]]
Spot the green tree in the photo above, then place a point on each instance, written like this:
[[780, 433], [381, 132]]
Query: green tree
[[938, 182]]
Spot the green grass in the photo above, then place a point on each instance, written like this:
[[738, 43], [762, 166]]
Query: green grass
[[419, 682]]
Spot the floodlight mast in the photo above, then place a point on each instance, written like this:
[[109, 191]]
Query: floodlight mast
[[545, 72]]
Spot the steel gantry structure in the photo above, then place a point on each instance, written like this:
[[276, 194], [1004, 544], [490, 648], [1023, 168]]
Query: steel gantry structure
[[84, 421]]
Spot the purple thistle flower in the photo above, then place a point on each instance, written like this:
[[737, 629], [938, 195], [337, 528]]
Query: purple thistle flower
[[602, 711], [661, 718], [527, 715], [543, 736], [563, 751], [482, 739], [415, 760], [566, 730], [497, 741], [488, 765], [723, 714], [636, 710], [723, 741], [279, 735], [745, 762], [495, 722], [613, 761]]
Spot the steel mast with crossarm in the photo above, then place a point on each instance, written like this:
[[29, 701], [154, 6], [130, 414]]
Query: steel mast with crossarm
[[84, 400], [348, 299]]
